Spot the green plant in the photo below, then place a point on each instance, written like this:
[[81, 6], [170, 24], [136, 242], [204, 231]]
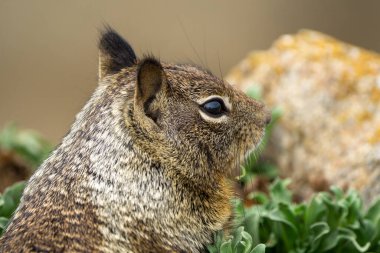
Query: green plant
[[29, 145], [330, 222], [32, 149], [9, 201], [239, 242]]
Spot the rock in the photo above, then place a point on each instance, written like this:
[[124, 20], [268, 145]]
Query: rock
[[329, 92]]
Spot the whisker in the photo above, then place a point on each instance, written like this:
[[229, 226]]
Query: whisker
[[204, 50], [220, 68], [191, 44]]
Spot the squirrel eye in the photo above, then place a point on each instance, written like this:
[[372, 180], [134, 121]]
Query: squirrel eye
[[214, 107]]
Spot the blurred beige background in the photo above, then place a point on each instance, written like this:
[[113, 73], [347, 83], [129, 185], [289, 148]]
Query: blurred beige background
[[48, 54]]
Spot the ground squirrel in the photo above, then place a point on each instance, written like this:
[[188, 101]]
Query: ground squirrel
[[145, 165]]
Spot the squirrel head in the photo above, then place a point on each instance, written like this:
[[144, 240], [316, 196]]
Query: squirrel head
[[181, 115]]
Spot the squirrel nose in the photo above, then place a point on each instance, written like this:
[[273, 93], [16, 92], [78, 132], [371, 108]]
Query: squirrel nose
[[268, 117]]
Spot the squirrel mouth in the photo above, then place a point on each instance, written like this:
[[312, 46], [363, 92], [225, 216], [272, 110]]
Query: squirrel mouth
[[254, 147], [244, 152]]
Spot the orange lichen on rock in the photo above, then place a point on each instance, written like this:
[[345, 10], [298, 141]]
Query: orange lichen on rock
[[329, 92], [375, 138]]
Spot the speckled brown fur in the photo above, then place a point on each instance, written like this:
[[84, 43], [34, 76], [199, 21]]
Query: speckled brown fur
[[141, 169]]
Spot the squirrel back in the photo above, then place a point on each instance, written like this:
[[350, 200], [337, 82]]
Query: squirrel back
[[145, 165]]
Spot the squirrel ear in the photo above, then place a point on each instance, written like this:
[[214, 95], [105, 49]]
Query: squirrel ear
[[114, 53], [150, 79]]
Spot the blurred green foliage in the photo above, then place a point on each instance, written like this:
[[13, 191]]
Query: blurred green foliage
[[29, 145], [33, 150], [9, 201]]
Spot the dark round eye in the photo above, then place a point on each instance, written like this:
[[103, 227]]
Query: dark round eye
[[214, 107]]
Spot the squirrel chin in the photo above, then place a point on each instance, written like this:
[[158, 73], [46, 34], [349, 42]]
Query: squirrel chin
[[252, 149]]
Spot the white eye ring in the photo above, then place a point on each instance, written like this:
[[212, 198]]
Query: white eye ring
[[209, 118]]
